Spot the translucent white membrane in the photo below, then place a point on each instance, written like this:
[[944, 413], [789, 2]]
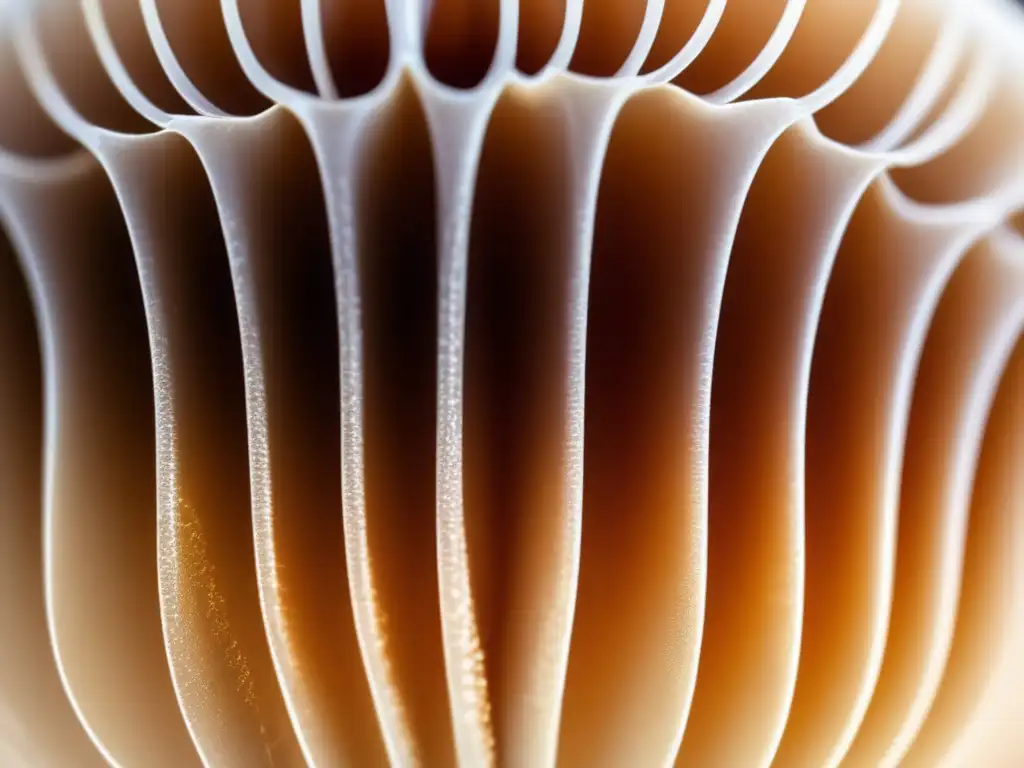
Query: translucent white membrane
[[491, 398], [37, 723], [94, 409]]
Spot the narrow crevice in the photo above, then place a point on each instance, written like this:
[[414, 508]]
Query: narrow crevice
[[199, 40], [25, 128], [461, 40], [357, 42], [78, 72], [516, 327], [124, 23], [398, 279]]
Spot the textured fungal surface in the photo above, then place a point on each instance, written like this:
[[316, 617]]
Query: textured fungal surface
[[513, 383]]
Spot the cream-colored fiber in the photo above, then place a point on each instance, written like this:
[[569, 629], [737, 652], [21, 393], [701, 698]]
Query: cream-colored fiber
[[514, 383]]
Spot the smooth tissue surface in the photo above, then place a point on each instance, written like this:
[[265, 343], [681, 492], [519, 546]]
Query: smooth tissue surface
[[514, 383]]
